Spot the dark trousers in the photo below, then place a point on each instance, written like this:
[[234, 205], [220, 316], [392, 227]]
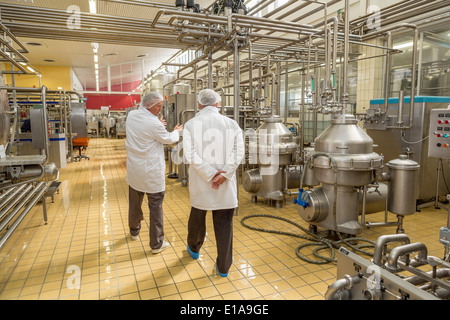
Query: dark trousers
[[135, 215], [223, 229]]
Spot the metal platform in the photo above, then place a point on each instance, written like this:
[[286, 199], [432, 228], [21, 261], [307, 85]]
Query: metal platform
[[22, 160], [54, 187]]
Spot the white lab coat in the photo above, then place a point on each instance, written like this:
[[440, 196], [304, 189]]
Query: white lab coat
[[145, 139], [212, 142]]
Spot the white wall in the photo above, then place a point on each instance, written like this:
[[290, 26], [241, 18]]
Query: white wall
[[75, 81]]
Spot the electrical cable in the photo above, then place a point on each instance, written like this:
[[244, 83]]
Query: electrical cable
[[411, 142], [315, 239]]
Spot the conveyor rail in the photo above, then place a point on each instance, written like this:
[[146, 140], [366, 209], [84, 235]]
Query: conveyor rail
[[17, 202]]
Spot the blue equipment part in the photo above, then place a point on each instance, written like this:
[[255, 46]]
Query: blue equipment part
[[302, 199]]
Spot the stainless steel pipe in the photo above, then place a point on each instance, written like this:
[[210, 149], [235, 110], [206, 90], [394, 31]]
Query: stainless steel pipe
[[406, 249], [382, 241], [336, 289], [32, 198]]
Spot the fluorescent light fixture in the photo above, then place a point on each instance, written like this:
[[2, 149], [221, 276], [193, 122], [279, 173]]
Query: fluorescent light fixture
[[95, 58], [96, 66], [94, 46], [96, 72], [31, 69], [403, 45], [93, 6]]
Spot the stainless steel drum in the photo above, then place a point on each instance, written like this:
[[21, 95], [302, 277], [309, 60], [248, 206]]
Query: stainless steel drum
[[273, 141], [403, 185], [271, 148]]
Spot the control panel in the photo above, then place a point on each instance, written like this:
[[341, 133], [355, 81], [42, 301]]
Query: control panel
[[439, 138]]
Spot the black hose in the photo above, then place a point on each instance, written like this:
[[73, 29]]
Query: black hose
[[317, 240]]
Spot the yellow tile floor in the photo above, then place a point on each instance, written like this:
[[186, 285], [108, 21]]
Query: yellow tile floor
[[85, 251]]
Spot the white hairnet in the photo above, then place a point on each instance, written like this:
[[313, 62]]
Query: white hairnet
[[152, 98], [208, 97]]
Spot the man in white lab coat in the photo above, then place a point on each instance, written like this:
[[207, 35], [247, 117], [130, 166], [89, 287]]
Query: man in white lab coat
[[213, 146], [145, 139]]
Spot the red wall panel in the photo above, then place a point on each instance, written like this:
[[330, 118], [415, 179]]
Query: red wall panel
[[116, 101]]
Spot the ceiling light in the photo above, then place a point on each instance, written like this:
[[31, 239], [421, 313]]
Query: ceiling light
[[31, 69], [96, 66], [93, 6], [95, 58], [94, 46]]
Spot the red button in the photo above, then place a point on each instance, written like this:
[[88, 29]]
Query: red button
[[446, 121], [439, 121], [438, 135]]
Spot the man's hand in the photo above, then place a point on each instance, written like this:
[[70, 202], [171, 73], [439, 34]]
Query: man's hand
[[163, 121], [178, 128], [218, 179]]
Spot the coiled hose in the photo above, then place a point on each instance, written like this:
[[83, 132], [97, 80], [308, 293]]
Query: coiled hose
[[317, 240]]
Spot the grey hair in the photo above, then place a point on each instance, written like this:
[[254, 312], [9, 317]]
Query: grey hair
[[152, 98], [208, 97]]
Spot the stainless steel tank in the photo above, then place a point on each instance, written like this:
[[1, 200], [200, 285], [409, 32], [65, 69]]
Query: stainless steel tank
[[181, 88], [352, 150], [178, 108], [403, 185], [271, 148], [343, 152], [273, 139]]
